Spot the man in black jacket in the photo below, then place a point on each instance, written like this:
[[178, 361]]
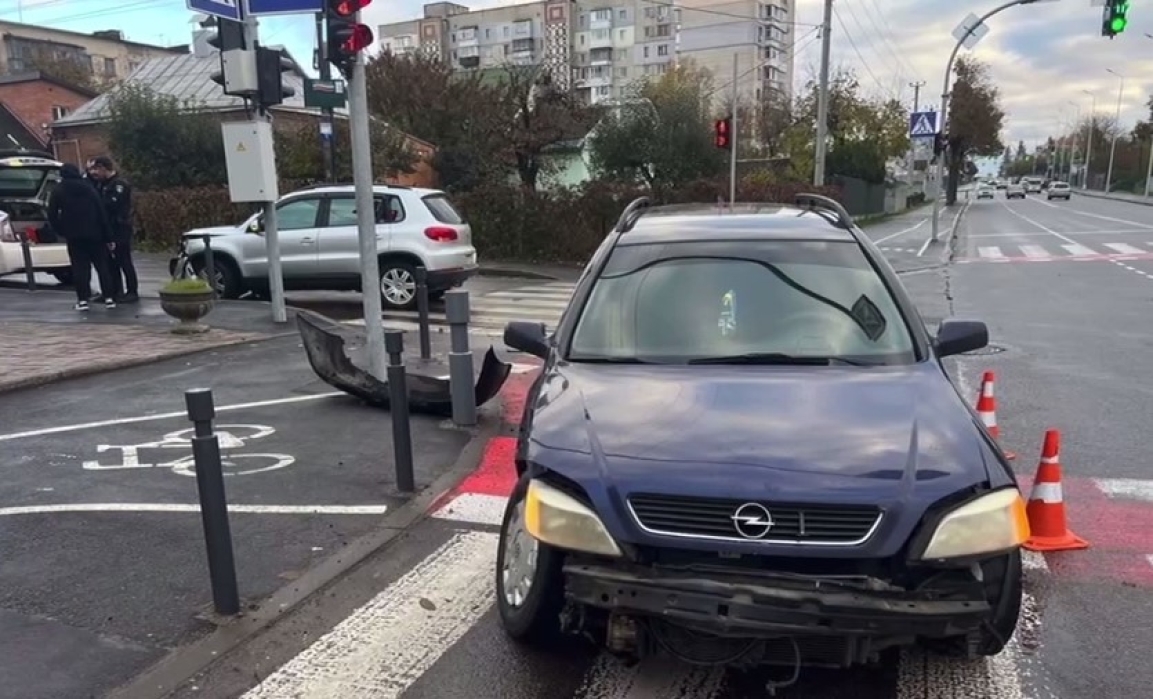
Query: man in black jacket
[[117, 196], [77, 214]]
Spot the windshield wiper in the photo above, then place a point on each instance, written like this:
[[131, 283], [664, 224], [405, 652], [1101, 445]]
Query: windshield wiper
[[607, 360], [774, 358]]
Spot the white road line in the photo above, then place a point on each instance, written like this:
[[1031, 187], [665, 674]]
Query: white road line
[[386, 645], [654, 678], [475, 508], [1129, 488], [1033, 233], [1099, 216], [1035, 252], [163, 416], [1125, 249], [990, 252], [167, 507], [1043, 227], [910, 229], [1079, 250]]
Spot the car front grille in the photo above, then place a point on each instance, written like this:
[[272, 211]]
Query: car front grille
[[715, 518]]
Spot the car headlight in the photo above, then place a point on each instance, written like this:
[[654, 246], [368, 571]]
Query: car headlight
[[560, 520], [993, 522]]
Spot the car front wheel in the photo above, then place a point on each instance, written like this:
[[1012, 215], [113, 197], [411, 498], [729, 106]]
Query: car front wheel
[[397, 285], [1004, 589], [529, 583]]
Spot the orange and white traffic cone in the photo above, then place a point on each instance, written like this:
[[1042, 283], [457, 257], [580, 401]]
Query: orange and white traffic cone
[[1048, 528], [987, 409]]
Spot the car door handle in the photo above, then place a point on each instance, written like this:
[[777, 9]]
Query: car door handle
[[307, 241]]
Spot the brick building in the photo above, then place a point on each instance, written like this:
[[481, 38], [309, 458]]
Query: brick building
[[81, 134], [34, 100]]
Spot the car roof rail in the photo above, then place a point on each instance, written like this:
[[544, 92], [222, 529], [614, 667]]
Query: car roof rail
[[632, 214], [814, 202]]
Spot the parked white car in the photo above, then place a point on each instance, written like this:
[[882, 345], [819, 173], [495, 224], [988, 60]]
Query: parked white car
[[26, 180], [319, 247]]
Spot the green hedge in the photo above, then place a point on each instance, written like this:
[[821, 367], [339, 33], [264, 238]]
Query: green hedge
[[508, 223]]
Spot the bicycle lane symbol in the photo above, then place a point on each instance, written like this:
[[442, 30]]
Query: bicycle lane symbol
[[231, 438]]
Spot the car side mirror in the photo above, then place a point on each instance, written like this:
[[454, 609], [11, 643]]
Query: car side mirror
[[960, 336], [257, 226], [528, 337]]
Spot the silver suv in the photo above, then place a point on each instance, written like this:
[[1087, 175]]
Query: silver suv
[[319, 249]]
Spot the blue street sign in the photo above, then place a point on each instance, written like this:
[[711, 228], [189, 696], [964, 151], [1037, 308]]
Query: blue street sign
[[284, 7], [923, 124], [225, 9]]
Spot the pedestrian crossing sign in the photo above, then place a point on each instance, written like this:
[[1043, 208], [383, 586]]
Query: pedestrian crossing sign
[[923, 124]]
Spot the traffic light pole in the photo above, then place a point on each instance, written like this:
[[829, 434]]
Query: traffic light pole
[[943, 125], [361, 146], [271, 229], [327, 144]]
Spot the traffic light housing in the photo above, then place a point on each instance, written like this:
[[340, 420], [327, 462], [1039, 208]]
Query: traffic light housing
[[271, 65], [722, 133], [1116, 17], [228, 36], [345, 36]]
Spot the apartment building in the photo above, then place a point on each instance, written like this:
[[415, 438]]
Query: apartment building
[[107, 55], [602, 47]]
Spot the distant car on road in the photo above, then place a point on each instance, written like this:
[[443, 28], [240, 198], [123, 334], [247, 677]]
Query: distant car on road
[[319, 246], [984, 191], [1032, 185], [743, 446], [1059, 190], [1015, 190]]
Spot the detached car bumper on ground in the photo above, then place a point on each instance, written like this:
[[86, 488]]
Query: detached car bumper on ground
[[810, 507]]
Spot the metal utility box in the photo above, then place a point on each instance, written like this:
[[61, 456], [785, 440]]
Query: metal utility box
[[251, 161]]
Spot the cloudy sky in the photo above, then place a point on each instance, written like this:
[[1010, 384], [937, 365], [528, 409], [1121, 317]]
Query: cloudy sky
[[1043, 56]]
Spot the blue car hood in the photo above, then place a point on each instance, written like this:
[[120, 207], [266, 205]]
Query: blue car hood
[[787, 433]]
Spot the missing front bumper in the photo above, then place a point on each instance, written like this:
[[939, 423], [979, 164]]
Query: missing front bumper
[[748, 607]]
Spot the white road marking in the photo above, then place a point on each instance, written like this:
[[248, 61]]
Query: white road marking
[[1078, 250], [1125, 249], [169, 507], [1099, 216], [654, 678], [386, 645], [910, 229], [992, 252], [163, 416], [1033, 233], [1043, 227], [1035, 251], [476, 508], [1129, 488]]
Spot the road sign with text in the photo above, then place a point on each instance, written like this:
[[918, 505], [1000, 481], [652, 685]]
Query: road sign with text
[[225, 9], [284, 7], [923, 124]]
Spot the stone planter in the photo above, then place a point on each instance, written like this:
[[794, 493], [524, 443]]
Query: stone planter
[[188, 308]]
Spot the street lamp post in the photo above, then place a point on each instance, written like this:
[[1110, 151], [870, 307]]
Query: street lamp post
[[1089, 139], [1071, 148], [944, 122], [1116, 128]]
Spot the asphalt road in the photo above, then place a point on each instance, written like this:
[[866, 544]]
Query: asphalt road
[[102, 559]]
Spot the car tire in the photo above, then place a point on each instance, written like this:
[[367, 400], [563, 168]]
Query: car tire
[[63, 276], [1004, 588], [229, 284], [536, 619], [397, 285]]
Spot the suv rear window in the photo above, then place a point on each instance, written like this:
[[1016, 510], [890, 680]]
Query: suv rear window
[[674, 303], [442, 209]]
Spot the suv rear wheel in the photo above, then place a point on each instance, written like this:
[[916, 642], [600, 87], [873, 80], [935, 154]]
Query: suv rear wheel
[[397, 285]]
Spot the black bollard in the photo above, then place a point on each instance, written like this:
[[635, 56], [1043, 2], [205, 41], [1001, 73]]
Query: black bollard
[[213, 504], [422, 311], [26, 251], [398, 406]]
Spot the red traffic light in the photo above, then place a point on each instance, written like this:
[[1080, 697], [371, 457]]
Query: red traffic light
[[347, 8], [721, 133], [359, 38]]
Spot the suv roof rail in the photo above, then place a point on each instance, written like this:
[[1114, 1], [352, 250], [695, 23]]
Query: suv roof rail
[[814, 202], [321, 185], [632, 213]]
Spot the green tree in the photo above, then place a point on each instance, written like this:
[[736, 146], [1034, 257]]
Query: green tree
[[299, 155], [161, 142], [664, 137], [975, 119], [1021, 152]]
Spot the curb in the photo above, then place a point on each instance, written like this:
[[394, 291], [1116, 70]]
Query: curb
[[93, 370], [183, 664], [1109, 197]]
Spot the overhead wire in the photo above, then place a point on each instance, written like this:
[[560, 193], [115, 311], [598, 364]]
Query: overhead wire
[[879, 42], [856, 50]]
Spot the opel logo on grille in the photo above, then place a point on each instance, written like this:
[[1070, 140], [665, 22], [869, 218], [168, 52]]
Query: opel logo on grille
[[752, 520]]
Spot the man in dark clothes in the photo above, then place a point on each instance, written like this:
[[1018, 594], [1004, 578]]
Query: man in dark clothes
[[77, 214], [117, 196]]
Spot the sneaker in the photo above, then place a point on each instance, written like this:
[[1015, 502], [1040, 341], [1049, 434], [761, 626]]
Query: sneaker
[[129, 298], [109, 303], [81, 306]]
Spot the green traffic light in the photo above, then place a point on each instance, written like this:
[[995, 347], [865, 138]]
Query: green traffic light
[[1118, 24]]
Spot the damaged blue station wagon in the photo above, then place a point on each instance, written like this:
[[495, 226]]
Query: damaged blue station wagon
[[743, 449]]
